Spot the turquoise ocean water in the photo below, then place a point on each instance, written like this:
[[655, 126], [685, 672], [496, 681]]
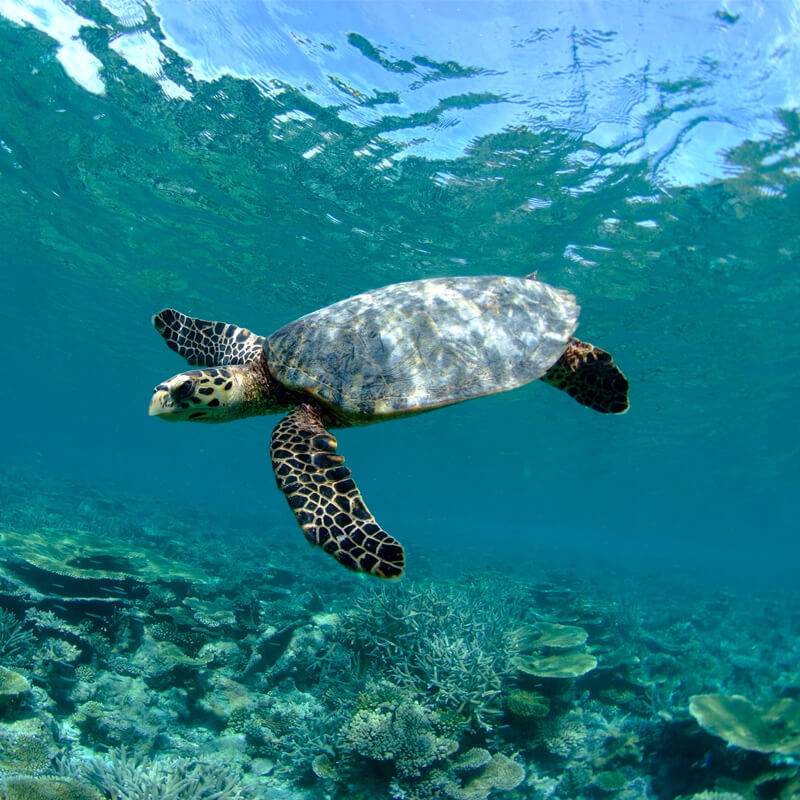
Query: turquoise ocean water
[[253, 161]]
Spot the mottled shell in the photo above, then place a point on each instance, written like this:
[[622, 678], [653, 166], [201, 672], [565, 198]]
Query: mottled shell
[[423, 344]]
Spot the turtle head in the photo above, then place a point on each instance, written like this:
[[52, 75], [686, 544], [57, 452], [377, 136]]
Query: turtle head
[[217, 394]]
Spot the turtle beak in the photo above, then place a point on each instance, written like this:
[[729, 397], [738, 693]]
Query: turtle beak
[[161, 404]]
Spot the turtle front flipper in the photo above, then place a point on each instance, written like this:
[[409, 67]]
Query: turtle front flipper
[[325, 498], [207, 344], [590, 375]]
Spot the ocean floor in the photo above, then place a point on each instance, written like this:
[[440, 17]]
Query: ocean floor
[[149, 652]]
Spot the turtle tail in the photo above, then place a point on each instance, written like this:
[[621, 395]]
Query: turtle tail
[[590, 375]]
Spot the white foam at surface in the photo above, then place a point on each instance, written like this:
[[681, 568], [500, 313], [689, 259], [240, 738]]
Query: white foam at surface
[[83, 67], [63, 24], [174, 90], [140, 50]]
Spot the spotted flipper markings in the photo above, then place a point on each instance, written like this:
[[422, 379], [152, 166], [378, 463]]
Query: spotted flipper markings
[[204, 343], [325, 498], [589, 375]]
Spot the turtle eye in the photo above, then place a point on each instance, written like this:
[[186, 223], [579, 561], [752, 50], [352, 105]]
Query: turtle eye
[[184, 390]]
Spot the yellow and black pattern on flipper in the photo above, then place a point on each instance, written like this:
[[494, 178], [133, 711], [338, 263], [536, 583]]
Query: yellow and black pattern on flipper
[[204, 343], [325, 498], [590, 375]]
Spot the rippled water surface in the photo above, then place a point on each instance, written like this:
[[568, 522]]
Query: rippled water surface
[[254, 161]]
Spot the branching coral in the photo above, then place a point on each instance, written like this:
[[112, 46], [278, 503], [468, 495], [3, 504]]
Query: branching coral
[[129, 777], [452, 645], [16, 641], [288, 726]]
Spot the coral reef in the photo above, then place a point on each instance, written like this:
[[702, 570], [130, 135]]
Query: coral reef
[[551, 650], [451, 645], [766, 729], [129, 777], [15, 639], [527, 705], [26, 746], [49, 788], [138, 662], [405, 735], [484, 775], [14, 687], [88, 564], [571, 664]]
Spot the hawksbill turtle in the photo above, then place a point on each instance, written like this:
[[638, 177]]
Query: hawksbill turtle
[[391, 352]]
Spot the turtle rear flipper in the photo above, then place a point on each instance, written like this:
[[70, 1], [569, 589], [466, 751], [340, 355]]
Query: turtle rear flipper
[[325, 498], [204, 343], [590, 375]]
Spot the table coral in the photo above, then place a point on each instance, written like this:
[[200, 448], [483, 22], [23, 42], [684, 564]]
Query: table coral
[[765, 729], [13, 689], [568, 664], [498, 774]]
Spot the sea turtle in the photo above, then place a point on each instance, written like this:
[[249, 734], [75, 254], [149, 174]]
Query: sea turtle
[[391, 352]]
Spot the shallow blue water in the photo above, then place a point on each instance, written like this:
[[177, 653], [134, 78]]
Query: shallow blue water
[[252, 162]]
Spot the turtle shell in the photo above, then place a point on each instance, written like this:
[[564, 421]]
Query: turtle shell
[[414, 346]]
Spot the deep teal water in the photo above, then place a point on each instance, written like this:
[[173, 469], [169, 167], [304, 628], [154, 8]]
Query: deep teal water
[[644, 156]]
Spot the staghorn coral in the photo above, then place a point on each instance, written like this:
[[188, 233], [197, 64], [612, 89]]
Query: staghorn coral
[[16, 641], [124, 776], [453, 645], [405, 735]]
